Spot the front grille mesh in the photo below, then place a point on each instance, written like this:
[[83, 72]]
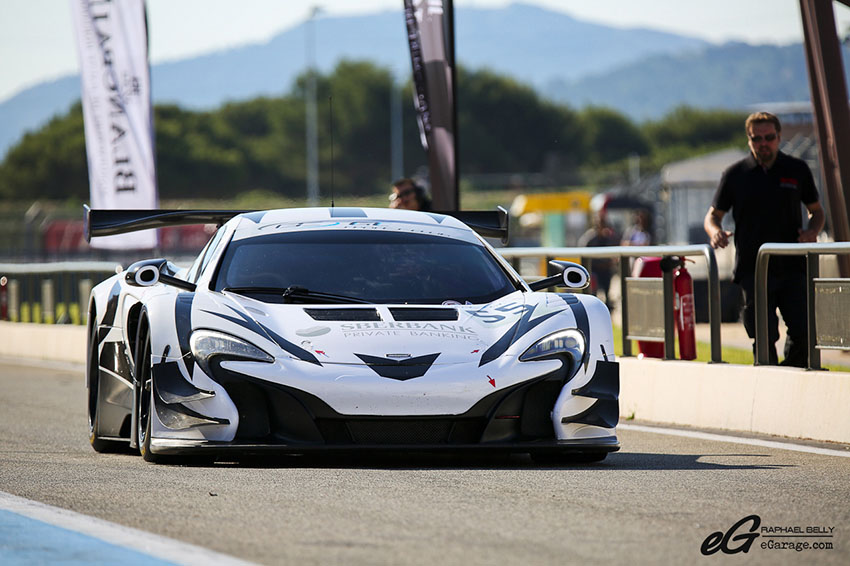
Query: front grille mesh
[[409, 432], [401, 432]]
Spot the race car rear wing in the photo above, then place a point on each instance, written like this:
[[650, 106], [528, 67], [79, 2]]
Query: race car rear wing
[[109, 222], [492, 224]]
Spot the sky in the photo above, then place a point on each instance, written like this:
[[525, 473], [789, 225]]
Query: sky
[[37, 41]]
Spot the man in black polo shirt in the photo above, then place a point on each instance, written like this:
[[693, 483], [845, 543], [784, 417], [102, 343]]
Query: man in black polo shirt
[[766, 192]]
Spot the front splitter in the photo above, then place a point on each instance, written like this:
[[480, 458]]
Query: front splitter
[[209, 448]]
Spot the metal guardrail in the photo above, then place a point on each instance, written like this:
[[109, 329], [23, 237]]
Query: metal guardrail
[[58, 267], [812, 252], [624, 253], [68, 272]]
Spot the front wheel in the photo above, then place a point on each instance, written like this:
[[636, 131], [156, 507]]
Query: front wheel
[[145, 404], [93, 409]]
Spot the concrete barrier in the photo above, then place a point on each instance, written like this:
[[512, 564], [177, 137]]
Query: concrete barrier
[[53, 342], [769, 400]]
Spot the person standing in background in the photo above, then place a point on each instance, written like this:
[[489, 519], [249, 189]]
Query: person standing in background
[[601, 269], [766, 192], [638, 234]]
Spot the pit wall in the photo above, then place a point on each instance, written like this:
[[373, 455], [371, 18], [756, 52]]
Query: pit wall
[[763, 399], [48, 342], [768, 400]]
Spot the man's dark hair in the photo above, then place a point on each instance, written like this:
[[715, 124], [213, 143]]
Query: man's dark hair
[[418, 191], [762, 118]]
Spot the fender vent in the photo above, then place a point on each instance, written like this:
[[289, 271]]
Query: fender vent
[[423, 314], [345, 315]]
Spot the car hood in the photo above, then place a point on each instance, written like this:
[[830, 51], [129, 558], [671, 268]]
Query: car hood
[[388, 335]]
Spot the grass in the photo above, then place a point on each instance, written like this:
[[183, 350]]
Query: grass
[[728, 354]]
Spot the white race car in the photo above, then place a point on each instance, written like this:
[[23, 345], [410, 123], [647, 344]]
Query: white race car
[[340, 329]]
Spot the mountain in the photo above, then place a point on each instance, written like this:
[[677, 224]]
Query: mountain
[[734, 75], [532, 44]]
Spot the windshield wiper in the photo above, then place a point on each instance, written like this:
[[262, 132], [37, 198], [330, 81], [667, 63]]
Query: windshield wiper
[[295, 293], [254, 290]]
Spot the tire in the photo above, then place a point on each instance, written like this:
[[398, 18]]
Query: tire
[[145, 405], [99, 444], [589, 457]]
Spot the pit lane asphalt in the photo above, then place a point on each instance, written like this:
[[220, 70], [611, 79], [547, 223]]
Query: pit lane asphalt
[[654, 502]]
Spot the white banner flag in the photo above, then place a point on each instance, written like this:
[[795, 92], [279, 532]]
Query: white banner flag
[[113, 50]]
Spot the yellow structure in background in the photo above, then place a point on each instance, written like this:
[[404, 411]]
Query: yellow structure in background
[[563, 217], [562, 202]]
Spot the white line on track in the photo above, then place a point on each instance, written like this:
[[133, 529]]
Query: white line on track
[[127, 537], [736, 440]]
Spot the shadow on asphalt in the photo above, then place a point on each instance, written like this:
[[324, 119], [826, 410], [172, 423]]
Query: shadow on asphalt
[[414, 461], [650, 461]]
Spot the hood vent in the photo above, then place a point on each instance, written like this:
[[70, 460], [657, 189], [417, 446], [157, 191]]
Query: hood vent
[[345, 315], [404, 314]]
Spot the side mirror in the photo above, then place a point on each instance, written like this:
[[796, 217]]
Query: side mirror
[[575, 275], [149, 272], [144, 273], [572, 276]]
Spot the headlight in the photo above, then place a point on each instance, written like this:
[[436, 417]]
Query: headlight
[[564, 342], [207, 344]]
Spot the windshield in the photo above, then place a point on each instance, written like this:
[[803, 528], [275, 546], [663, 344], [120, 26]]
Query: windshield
[[379, 267]]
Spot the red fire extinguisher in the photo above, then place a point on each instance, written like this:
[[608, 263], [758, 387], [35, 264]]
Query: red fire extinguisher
[[683, 294]]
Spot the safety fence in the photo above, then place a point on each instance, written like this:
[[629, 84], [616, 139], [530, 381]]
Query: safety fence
[[827, 301], [50, 292], [58, 292], [47, 234], [643, 298]]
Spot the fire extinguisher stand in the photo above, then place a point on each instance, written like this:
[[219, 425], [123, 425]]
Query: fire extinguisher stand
[[649, 267], [683, 308], [678, 309], [667, 265]]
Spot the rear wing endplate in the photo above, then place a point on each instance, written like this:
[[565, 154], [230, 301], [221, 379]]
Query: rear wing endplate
[[488, 223]]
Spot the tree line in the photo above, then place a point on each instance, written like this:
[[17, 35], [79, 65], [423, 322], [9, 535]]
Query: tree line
[[503, 127]]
